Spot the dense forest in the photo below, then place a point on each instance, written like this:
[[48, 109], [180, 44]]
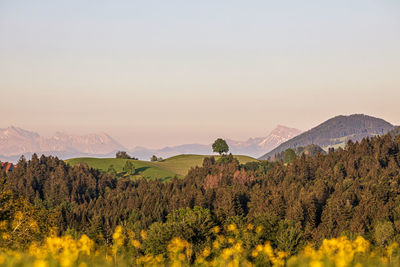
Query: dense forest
[[347, 192]]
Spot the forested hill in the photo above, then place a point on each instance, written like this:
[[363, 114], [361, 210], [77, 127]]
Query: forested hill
[[336, 132], [353, 191]]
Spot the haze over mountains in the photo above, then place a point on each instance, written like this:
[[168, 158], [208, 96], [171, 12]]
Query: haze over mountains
[[15, 142], [257, 146], [336, 132], [253, 147]]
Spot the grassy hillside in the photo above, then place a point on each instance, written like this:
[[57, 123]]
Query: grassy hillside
[[164, 170], [144, 169], [182, 163]]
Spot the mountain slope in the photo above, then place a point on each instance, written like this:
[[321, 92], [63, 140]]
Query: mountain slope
[[336, 132], [395, 131], [90, 144], [15, 142], [256, 146], [309, 150]]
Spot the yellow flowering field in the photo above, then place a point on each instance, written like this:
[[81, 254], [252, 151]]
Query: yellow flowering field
[[65, 251]]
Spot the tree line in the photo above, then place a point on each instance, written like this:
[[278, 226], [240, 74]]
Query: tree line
[[351, 191]]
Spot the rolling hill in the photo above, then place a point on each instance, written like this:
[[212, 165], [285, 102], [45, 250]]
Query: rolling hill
[[164, 170], [336, 132]]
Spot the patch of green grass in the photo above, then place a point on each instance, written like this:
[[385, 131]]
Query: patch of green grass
[[181, 164], [163, 170], [143, 169]]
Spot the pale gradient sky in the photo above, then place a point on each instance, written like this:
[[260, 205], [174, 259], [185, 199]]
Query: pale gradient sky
[[157, 73]]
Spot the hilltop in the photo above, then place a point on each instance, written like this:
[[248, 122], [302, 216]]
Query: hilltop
[[159, 170], [336, 132]]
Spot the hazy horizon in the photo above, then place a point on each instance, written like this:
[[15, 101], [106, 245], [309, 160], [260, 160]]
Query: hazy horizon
[[148, 147], [159, 73], [209, 141]]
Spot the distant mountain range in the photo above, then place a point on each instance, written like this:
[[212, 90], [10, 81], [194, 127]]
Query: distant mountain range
[[15, 142], [257, 146], [336, 132], [253, 147]]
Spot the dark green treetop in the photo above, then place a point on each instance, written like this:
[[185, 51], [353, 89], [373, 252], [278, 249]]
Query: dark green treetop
[[289, 155], [220, 146]]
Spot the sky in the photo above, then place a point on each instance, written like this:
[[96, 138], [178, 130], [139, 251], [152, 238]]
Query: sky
[[158, 73]]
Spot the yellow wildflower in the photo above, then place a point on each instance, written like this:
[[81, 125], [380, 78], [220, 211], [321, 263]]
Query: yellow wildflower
[[40, 263], [181, 257], [206, 252], [226, 253], [143, 234], [316, 264], [259, 248], [85, 244], [238, 247], [232, 227], [3, 225], [18, 216], [135, 243], [159, 258], [5, 236], [216, 244]]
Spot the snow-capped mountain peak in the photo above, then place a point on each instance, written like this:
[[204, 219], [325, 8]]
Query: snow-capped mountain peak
[[16, 132], [279, 135], [16, 141]]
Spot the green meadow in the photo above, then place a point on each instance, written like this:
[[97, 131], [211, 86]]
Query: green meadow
[[163, 170]]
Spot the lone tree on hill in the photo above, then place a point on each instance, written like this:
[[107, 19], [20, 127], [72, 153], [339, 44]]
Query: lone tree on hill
[[220, 146]]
